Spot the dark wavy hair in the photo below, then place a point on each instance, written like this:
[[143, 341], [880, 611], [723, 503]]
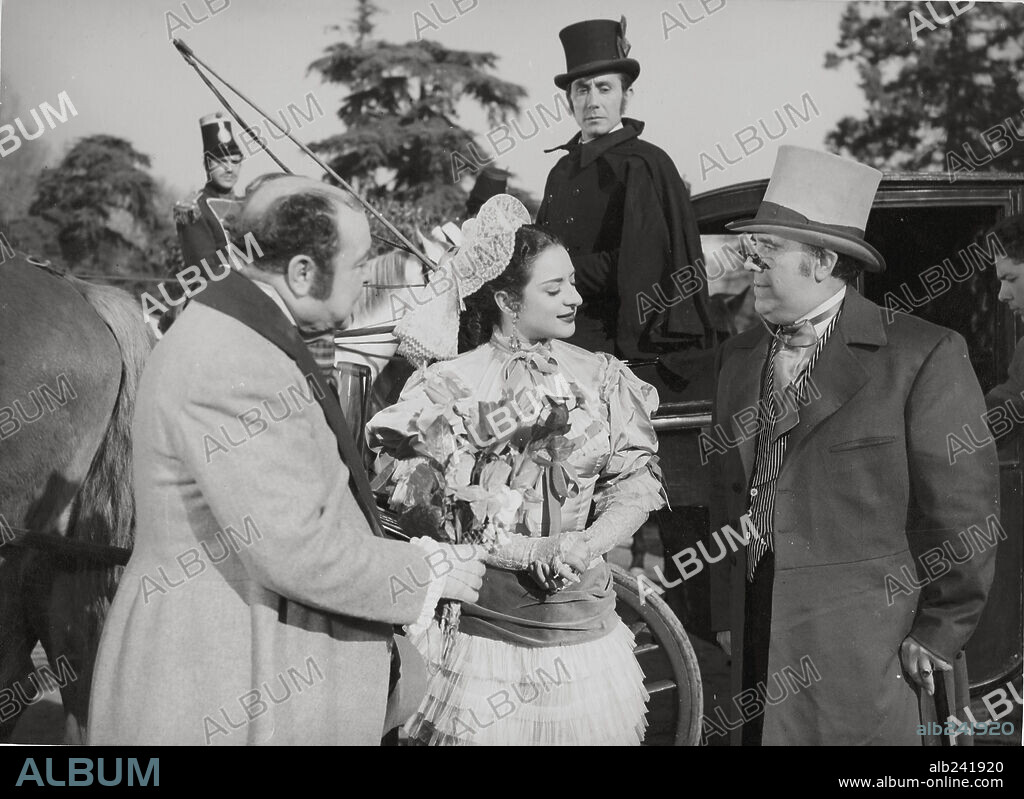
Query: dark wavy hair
[[304, 223], [847, 269], [1010, 232], [482, 314]]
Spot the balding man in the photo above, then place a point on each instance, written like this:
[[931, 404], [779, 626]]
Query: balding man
[[258, 604]]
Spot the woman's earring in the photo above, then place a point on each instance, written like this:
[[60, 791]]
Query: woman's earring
[[515, 344]]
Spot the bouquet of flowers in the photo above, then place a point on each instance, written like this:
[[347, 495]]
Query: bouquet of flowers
[[472, 471]]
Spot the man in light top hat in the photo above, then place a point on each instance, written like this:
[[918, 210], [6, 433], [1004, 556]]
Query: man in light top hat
[[622, 210], [832, 439]]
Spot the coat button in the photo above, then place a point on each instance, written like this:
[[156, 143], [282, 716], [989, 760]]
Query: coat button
[[570, 220], [575, 192]]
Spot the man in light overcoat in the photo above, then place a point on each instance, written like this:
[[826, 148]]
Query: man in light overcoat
[[259, 603]]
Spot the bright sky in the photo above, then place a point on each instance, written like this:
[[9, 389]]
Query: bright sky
[[734, 63]]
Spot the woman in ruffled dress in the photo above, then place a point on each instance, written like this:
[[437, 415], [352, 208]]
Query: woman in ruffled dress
[[542, 658]]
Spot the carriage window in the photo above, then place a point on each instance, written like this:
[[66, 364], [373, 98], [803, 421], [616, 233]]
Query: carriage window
[[728, 282], [939, 267]]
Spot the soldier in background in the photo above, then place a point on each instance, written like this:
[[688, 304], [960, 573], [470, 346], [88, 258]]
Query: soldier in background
[[200, 232]]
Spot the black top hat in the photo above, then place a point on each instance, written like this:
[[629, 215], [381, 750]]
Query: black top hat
[[594, 47], [218, 140], [489, 182]]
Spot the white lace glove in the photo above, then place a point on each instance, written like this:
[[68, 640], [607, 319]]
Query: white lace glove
[[613, 528], [562, 554]]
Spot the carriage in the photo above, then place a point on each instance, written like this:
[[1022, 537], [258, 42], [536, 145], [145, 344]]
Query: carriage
[[920, 223]]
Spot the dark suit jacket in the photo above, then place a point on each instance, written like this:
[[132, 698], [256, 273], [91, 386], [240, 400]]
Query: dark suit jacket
[[1006, 401], [866, 488], [200, 233]]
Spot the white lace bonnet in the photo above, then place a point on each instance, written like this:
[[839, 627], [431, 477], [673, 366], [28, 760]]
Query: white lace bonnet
[[430, 331]]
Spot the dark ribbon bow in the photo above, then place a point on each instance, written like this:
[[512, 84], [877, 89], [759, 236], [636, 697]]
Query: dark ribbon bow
[[792, 336]]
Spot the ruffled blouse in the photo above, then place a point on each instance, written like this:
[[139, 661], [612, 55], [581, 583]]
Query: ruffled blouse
[[615, 462]]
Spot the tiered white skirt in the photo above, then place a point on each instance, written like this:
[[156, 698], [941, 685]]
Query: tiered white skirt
[[492, 693]]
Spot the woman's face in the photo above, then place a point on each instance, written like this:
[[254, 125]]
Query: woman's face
[[550, 299]]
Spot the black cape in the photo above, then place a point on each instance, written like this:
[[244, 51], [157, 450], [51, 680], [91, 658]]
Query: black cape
[[657, 269]]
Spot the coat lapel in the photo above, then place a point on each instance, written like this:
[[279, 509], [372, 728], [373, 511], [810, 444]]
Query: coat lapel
[[240, 299], [838, 375], [742, 375]]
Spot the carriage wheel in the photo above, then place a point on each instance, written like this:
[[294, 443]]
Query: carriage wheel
[[671, 673]]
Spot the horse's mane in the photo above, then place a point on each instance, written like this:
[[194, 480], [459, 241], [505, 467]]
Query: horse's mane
[[388, 269]]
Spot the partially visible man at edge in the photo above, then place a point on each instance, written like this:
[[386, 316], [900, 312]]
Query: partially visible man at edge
[[1009, 396], [227, 438]]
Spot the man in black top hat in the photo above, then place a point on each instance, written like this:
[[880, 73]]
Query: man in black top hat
[[624, 214], [622, 210]]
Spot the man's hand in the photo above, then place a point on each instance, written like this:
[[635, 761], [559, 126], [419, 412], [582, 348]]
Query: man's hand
[[921, 664], [462, 583], [724, 639]]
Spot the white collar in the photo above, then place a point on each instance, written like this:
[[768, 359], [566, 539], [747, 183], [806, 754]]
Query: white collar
[[271, 292], [617, 127], [828, 305]]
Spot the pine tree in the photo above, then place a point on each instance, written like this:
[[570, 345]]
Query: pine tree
[[401, 123], [108, 213], [941, 88]]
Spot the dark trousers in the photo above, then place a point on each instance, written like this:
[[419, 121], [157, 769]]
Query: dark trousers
[[690, 600], [757, 626]]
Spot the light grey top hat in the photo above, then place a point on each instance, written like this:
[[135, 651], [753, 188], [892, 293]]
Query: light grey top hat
[[820, 199]]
